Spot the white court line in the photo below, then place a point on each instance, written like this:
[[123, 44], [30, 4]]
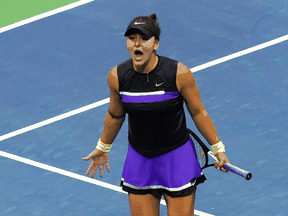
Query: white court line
[[54, 119], [77, 176], [241, 53], [44, 15]]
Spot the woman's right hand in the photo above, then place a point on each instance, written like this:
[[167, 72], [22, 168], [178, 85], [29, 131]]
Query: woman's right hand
[[99, 158]]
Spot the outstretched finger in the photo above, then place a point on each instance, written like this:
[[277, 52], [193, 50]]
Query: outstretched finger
[[101, 171], [89, 168], [88, 157], [108, 167], [94, 171], [94, 153]]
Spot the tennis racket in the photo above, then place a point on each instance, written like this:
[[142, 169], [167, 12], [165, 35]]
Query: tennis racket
[[202, 152]]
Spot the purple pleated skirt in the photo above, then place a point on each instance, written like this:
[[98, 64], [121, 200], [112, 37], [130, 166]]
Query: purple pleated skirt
[[176, 173]]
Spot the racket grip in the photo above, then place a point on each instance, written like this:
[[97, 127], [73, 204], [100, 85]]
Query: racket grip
[[247, 175]]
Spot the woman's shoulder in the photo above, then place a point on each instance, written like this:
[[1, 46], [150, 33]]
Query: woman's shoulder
[[182, 68], [113, 71]]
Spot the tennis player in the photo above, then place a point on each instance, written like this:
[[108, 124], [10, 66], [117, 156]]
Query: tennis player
[[161, 160]]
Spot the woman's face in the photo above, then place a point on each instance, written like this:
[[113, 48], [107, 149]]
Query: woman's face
[[141, 48]]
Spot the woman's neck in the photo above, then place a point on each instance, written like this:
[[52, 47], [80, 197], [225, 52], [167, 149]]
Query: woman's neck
[[147, 66]]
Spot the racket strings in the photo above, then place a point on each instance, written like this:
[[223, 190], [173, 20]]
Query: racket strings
[[201, 157]]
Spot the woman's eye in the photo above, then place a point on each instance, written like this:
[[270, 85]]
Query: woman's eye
[[131, 38]]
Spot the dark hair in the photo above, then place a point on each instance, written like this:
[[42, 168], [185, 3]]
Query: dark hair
[[153, 20], [153, 17]]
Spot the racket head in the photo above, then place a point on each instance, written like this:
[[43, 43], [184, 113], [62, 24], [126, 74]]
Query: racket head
[[201, 151]]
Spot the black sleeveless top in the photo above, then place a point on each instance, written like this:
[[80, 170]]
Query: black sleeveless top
[[156, 116]]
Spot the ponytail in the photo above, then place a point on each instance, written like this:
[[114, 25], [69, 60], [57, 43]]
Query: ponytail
[[153, 17]]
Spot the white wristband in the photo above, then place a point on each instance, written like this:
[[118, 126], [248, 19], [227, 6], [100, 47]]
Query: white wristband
[[218, 147], [103, 147]]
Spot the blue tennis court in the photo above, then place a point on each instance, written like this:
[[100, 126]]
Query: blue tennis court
[[60, 63]]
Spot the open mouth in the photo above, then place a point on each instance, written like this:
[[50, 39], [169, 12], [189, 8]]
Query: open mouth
[[138, 52]]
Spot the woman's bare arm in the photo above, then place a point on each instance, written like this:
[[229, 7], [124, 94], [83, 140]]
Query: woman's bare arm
[[113, 120], [189, 90]]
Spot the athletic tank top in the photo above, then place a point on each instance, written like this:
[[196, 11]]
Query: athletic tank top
[[156, 117]]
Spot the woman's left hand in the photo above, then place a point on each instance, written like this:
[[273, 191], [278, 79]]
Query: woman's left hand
[[222, 160]]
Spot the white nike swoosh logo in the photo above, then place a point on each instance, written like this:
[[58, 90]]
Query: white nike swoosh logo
[[138, 23]]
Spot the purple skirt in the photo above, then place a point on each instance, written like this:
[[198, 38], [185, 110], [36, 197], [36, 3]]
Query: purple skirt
[[176, 173]]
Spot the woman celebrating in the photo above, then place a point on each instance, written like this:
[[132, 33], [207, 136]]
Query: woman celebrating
[[161, 160]]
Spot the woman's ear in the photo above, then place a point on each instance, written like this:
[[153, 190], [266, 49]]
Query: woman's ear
[[156, 46]]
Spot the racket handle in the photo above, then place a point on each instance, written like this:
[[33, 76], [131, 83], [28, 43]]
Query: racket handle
[[247, 175]]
